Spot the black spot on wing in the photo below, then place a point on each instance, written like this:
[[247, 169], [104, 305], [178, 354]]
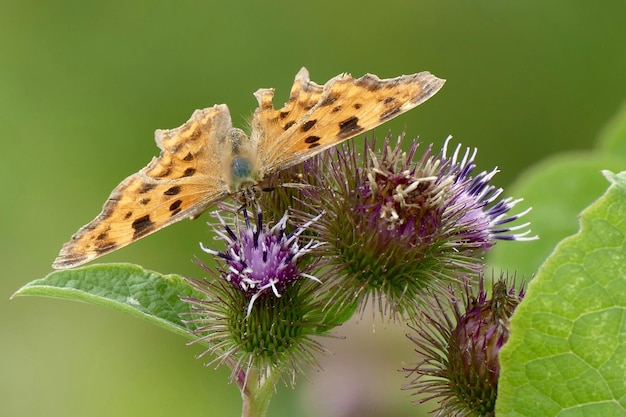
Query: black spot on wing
[[142, 225], [349, 127], [284, 114], [311, 139], [189, 172], [188, 157], [144, 201], [357, 106], [172, 190], [308, 125], [314, 145], [288, 125], [175, 207]]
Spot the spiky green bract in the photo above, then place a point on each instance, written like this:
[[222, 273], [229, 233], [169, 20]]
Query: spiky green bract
[[458, 340], [275, 337]]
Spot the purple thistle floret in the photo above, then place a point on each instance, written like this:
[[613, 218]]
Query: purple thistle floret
[[474, 201], [437, 196], [261, 259]]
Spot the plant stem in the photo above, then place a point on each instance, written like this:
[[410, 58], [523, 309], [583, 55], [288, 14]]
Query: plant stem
[[256, 392]]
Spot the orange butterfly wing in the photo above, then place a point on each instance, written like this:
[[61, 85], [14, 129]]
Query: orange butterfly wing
[[182, 182], [318, 117]]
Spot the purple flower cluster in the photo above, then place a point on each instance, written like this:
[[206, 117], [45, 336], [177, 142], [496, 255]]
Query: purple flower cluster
[[386, 227]]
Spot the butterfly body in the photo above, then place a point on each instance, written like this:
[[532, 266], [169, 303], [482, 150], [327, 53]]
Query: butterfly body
[[207, 159], [239, 160], [241, 171]]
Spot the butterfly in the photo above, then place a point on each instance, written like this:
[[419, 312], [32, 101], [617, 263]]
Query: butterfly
[[207, 159]]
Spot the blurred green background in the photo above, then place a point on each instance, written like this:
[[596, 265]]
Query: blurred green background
[[83, 85]]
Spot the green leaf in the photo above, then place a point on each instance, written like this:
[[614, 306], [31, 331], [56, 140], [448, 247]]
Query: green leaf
[[567, 352], [124, 287]]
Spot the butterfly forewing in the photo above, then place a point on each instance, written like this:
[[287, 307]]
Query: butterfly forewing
[[343, 108], [182, 182], [268, 124]]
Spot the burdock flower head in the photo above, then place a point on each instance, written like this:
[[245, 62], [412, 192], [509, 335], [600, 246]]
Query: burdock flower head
[[398, 223], [258, 313], [459, 365]]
